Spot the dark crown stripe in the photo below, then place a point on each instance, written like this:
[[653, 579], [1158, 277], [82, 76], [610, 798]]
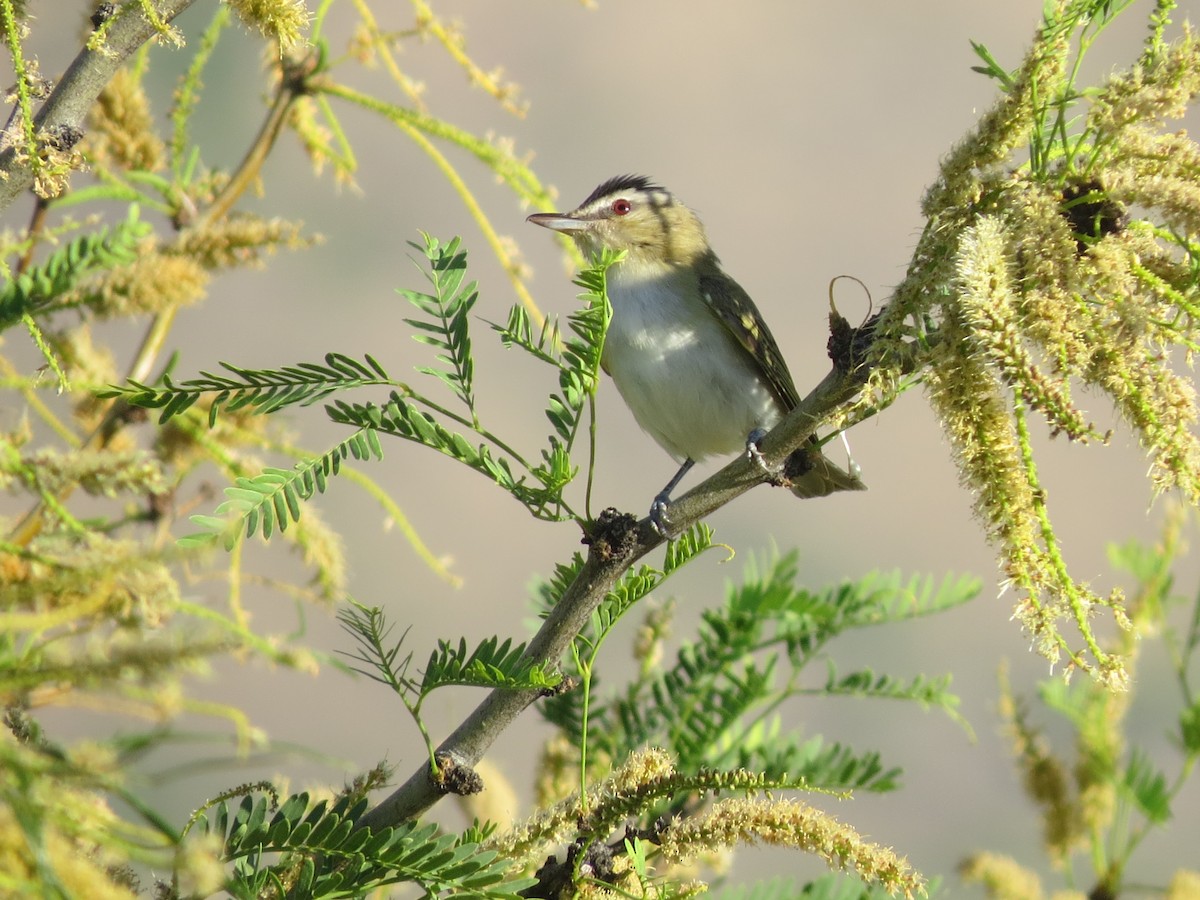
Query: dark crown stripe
[[618, 184]]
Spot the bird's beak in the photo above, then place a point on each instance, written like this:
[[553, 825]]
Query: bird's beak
[[559, 222]]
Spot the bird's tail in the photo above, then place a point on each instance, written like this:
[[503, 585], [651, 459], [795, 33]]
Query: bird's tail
[[813, 474]]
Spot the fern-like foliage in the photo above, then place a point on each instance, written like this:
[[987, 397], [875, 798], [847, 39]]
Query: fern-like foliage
[[577, 360], [1146, 786], [413, 417], [260, 390], [637, 584], [713, 706], [833, 767], [579, 370], [379, 656], [548, 592], [317, 850], [866, 683], [402, 417], [633, 586], [542, 342], [445, 325], [272, 499], [37, 287], [491, 664]]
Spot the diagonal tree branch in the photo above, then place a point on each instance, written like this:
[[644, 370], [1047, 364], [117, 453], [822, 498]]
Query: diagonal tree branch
[[617, 545], [68, 104]]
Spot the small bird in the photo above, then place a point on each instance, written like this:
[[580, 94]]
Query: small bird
[[687, 348]]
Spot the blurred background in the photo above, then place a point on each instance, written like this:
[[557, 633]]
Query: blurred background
[[804, 134]]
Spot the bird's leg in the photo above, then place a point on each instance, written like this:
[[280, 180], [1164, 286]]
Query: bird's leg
[[658, 509], [753, 440]]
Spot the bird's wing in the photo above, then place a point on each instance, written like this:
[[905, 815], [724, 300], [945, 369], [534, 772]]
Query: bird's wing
[[736, 311]]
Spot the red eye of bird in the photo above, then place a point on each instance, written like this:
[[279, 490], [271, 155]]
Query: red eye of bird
[[621, 207]]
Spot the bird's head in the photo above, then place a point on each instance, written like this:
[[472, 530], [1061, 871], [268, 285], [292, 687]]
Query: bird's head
[[633, 214]]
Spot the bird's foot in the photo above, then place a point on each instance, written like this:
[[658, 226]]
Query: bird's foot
[[776, 477], [658, 514], [753, 440], [658, 509]]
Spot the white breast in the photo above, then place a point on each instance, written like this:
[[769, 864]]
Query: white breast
[[686, 380]]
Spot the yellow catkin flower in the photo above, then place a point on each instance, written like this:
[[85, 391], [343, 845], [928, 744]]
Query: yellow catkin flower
[[69, 842], [654, 630], [324, 552], [82, 874], [557, 771], [282, 20], [789, 823], [497, 803], [978, 423], [317, 140], [1164, 89], [122, 128], [240, 240], [155, 282], [561, 820], [989, 304], [1157, 171], [198, 866], [1100, 749], [86, 362], [1052, 310], [106, 473], [1185, 885], [1044, 777], [1002, 877], [643, 767]]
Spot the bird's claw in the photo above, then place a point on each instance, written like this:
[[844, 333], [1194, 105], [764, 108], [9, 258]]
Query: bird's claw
[[753, 439], [658, 515]]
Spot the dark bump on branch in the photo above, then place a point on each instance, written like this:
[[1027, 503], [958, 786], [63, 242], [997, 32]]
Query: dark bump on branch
[[652, 835], [102, 13], [797, 465], [454, 776], [39, 88], [297, 70], [1091, 213], [612, 534], [565, 686], [553, 880], [159, 506], [782, 475], [849, 346], [841, 339], [598, 863], [557, 879], [64, 137]]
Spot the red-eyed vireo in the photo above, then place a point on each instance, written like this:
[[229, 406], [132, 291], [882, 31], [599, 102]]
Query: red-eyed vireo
[[687, 348]]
